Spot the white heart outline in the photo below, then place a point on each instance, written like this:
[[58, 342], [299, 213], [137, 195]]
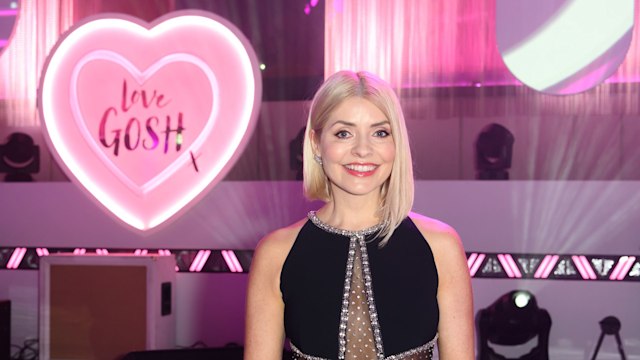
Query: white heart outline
[[141, 77]]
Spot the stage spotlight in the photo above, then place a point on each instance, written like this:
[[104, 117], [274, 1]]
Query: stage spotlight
[[610, 326], [512, 321], [494, 148], [19, 158]]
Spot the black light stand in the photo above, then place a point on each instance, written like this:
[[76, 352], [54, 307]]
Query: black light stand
[[610, 326]]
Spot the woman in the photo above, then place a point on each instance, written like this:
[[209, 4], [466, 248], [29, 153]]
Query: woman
[[361, 278]]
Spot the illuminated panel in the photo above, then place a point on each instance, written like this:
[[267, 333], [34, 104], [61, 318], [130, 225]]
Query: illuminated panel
[[563, 47], [160, 111], [481, 265]]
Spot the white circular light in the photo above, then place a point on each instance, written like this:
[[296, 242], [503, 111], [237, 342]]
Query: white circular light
[[521, 299]]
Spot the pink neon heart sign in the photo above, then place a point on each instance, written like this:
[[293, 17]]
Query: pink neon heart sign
[[147, 117]]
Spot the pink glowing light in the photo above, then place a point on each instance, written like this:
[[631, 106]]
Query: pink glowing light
[[16, 258], [546, 266], [475, 264], [102, 251], [514, 266], [7, 13], [542, 266], [505, 265], [471, 259], [231, 260], [199, 261], [626, 268], [79, 251], [235, 261], [622, 267], [210, 100], [587, 267], [140, 252], [42, 251], [580, 266]]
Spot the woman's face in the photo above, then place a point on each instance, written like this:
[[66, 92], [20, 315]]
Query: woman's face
[[357, 148]]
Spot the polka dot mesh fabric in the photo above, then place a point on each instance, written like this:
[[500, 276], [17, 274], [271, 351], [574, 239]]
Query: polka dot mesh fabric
[[360, 341]]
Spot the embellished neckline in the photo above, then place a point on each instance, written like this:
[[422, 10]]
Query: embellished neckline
[[348, 233]]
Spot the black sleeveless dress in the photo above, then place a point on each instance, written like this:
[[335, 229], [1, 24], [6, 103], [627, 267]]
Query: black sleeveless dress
[[347, 298]]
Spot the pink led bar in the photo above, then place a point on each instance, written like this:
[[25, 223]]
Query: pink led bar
[[582, 264], [546, 266], [79, 251], [102, 251], [622, 267], [42, 251], [509, 266], [474, 262], [232, 261], [142, 252], [199, 261], [16, 258]]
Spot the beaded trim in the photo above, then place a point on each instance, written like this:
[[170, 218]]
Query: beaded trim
[[428, 346], [344, 312], [373, 313], [297, 354], [348, 233]]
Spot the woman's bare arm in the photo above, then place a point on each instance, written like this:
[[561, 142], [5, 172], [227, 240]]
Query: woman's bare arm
[[264, 327], [455, 296]]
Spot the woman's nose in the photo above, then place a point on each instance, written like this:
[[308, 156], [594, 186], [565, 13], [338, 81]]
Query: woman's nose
[[362, 146]]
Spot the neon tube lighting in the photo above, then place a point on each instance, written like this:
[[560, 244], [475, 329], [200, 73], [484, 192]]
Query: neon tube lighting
[[505, 265], [471, 259], [476, 266], [626, 268], [514, 267]]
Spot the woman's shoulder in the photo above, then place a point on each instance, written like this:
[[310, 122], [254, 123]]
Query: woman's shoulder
[[434, 230], [443, 240], [277, 244]]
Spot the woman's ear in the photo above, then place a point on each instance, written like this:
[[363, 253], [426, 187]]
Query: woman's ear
[[314, 137]]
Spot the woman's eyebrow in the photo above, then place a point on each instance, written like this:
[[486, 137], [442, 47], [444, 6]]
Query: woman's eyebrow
[[347, 123]]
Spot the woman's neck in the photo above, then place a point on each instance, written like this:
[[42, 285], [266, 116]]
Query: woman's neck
[[351, 212]]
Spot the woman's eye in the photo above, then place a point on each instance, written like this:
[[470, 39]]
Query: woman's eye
[[381, 133], [342, 134]]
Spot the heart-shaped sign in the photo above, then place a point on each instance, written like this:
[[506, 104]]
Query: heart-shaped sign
[[148, 117]]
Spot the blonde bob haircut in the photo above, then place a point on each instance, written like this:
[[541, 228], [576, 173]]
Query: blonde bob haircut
[[397, 191]]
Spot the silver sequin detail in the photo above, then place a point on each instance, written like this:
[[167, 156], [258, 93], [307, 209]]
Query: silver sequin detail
[[370, 299], [348, 233]]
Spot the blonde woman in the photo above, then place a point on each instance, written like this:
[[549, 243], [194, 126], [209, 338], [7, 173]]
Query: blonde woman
[[362, 277]]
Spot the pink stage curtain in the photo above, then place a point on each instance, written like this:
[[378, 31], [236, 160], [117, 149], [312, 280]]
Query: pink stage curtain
[[416, 43], [38, 27]]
